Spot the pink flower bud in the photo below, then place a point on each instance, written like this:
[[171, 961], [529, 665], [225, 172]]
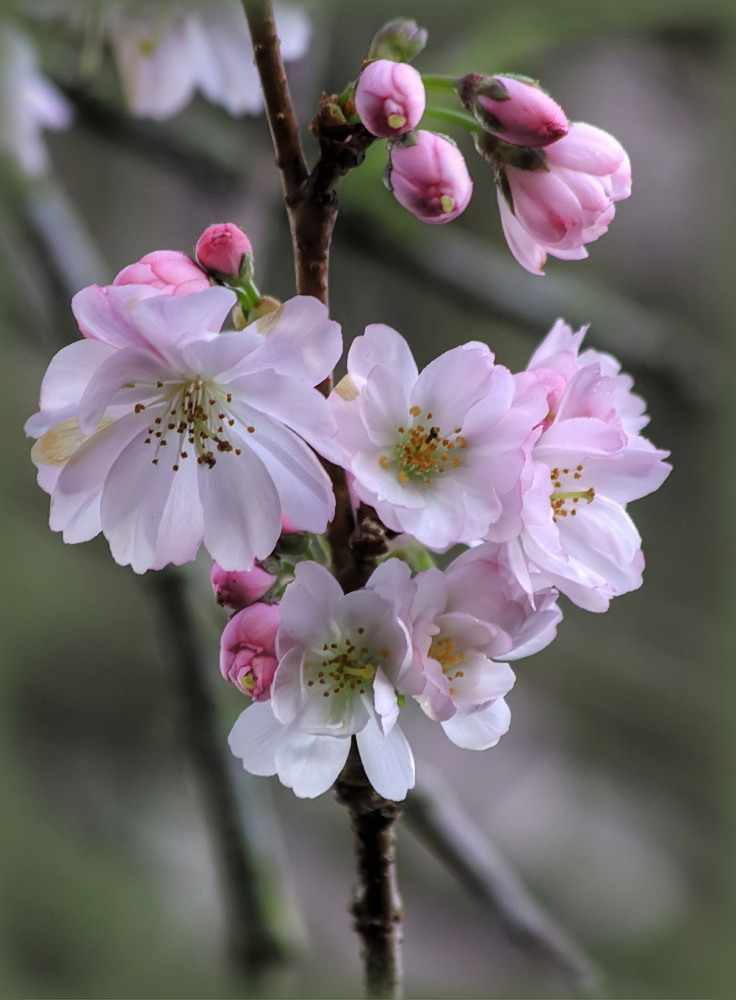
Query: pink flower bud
[[169, 271], [570, 202], [399, 40], [515, 110], [248, 649], [428, 176], [225, 250], [238, 590], [389, 98]]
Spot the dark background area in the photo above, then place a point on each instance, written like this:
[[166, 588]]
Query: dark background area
[[612, 793]]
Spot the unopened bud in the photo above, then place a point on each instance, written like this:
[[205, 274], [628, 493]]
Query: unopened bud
[[225, 251], [515, 109], [398, 40], [428, 176], [237, 590], [390, 98], [169, 271], [248, 650]]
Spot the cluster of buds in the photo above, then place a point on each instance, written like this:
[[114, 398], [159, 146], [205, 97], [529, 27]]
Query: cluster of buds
[[557, 182]]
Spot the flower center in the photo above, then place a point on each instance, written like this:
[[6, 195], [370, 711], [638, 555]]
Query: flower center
[[421, 451], [563, 500], [196, 417], [347, 667], [443, 650]]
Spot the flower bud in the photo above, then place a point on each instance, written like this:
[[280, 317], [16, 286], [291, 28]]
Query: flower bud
[[248, 649], [237, 590], [225, 251], [171, 272], [428, 176], [398, 40], [390, 98], [513, 108]]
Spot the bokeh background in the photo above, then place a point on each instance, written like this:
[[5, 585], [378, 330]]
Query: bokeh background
[[612, 793]]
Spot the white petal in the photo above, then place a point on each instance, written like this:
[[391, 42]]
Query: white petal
[[242, 512], [388, 761], [480, 730], [133, 502], [255, 738], [310, 764]]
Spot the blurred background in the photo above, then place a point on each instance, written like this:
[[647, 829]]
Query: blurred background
[[612, 793]]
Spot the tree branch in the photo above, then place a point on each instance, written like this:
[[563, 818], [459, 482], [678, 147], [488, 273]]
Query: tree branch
[[311, 203], [436, 817], [254, 945]]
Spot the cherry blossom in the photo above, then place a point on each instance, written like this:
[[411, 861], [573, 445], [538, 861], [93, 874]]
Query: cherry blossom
[[167, 51], [588, 461], [344, 659], [29, 103], [463, 687], [165, 434], [568, 201], [437, 454]]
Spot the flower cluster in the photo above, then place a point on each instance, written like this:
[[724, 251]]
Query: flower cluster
[[195, 412], [164, 433]]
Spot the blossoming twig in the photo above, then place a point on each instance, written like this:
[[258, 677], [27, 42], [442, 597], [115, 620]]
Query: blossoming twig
[[312, 207]]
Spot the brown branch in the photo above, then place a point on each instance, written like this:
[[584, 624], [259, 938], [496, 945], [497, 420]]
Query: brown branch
[[377, 907], [311, 203]]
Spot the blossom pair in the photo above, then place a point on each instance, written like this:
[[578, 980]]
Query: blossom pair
[[543, 462], [326, 667]]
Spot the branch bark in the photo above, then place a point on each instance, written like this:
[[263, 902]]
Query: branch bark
[[311, 203]]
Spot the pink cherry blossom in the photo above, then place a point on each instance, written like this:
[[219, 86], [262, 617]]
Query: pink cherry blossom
[[167, 271], [165, 434], [516, 110], [343, 661], [428, 176], [587, 462], [237, 590], [390, 98], [436, 454], [558, 209], [463, 687], [248, 650], [223, 248]]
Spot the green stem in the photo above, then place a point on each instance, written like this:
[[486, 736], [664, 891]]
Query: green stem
[[439, 82], [455, 117]]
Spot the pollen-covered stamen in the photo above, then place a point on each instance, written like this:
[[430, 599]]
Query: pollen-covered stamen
[[443, 650], [196, 414], [346, 667], [562, 499], [421, 450]]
